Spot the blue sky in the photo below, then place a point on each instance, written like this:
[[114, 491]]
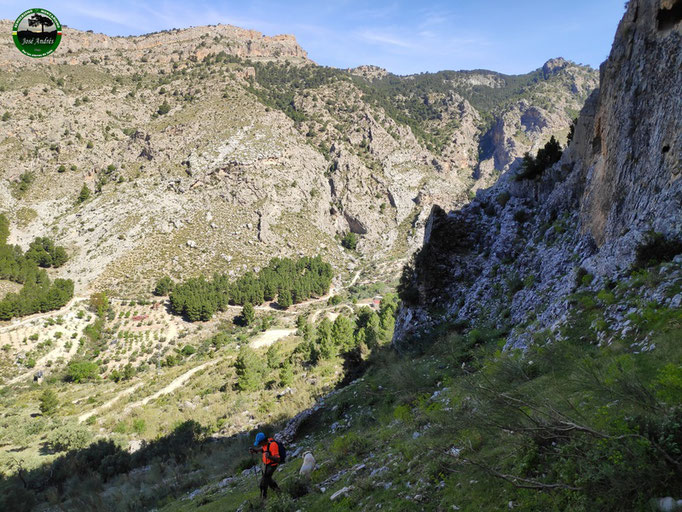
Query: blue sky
[[401, 36]]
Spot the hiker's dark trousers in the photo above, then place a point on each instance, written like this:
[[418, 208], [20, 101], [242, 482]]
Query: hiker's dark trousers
[[267, 481]]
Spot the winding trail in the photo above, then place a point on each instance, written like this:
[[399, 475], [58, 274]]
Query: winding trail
[[109, 403], [317, 313], [269, 337], [175, 384]]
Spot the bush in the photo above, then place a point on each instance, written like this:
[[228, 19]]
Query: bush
[[70, 436], [521, 216], [350, 240], [503, 198], [296, 487], [84, 194], [350, 444], [188, 350], [164, 286], [4, 229], [284, 298], [163, 109], [79, 371]]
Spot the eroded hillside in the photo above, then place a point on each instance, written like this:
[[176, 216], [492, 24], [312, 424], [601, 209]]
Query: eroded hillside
[[215, 148]]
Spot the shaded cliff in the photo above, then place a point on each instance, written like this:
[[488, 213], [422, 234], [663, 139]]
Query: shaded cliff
[[516, 253]]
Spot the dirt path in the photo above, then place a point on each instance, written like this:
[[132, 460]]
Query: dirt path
[[175, 384], [332, 316], [269, 337], [53, 355], [355, 279], [109, 403], [16, 323]]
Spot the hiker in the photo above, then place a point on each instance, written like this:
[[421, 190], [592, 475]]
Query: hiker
[[271, 460]]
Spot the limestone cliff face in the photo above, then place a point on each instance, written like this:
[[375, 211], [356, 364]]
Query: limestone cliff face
[[517, 259], [633, 148]]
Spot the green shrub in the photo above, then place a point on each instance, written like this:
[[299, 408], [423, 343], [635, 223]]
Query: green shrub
[[248, 314], [164, 108], [503, 198], [79, 371], [296, 487], [250, 370], [606, 296], [403, 413], [669, 383], [587, 279], [546, 157], [188, 350], [84, 194], [69, 436], [139, 426], [350, 444], [349, 240], [521, 216], [164, 286]]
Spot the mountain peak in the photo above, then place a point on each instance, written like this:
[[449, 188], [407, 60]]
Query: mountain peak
[[553, 66]]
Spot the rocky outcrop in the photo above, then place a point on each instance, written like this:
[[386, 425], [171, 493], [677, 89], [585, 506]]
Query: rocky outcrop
[[616, 181], [80, 47]]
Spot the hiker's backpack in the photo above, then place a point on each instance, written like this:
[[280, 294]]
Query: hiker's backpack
[[282, 451]]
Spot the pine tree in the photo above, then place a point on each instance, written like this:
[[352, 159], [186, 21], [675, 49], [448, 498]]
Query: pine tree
[[48, 402], [248, 314], [249, 369], [286, 374], [273, 357], [342, 333], [284, 298], [84, 194]]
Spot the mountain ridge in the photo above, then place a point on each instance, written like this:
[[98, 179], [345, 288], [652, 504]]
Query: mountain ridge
[[372, 163]]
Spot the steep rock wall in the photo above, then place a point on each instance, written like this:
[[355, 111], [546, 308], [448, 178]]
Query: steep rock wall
[[526, 240]]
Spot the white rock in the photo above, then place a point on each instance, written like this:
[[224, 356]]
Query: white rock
[[341, 492], [667, 504]]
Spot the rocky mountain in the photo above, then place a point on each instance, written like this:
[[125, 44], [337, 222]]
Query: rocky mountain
[[521, 248], [216, 148], [534, 363]]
